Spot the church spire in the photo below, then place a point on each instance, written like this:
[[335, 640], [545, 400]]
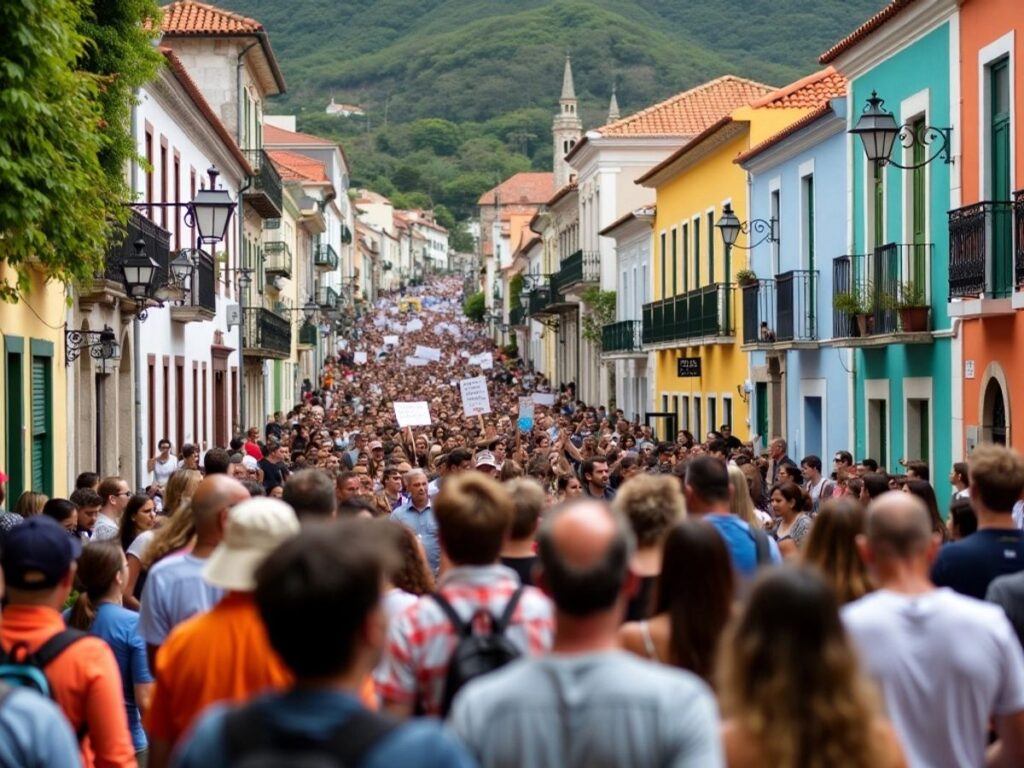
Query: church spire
[[568, 91], [566, 128], [613, 107]]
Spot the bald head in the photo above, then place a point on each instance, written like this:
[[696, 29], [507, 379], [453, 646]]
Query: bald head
[[214, 496], [898, 526]]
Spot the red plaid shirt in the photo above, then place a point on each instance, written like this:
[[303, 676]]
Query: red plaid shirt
[[421, 639]]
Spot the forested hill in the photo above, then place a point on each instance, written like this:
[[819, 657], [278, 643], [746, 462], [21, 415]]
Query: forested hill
[[493, 67]]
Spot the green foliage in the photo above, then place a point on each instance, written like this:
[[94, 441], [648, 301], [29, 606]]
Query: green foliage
[[912, 295], [515, 289], [600, 310], [746, 276], [475, 306]]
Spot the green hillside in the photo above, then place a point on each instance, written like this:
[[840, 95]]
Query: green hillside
[[492, 68]]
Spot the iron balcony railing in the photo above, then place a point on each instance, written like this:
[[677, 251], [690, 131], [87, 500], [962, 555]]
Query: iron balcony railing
[[623, 336], [1018, 229], [981, 250], [702, 313], [538, 303], [873, 292], [266, 333], [517, 316], [307, 334], [122, 246], [783, 309], [265, 192], [325, 257], [277, 259], [202, 293], [327, 297], [580, 267]]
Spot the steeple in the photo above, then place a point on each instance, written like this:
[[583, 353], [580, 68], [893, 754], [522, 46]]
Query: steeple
[[568, 91], [613, 107], [566, 128]]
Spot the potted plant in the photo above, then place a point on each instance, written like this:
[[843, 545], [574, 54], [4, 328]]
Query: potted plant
[[746, 277], [913, 307], [851, 304]]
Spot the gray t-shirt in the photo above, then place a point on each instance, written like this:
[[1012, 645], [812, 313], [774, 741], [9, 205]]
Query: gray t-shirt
[[600, 710], [945, 663], [1008, 592]]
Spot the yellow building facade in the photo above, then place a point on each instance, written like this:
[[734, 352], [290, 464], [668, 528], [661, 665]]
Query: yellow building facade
[[692, 327]]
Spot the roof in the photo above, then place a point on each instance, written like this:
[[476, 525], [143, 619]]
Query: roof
[[807, 92], [274, 135], [649, 210], [295, 167], [181, 75], [785, 133], [894, 8], [526, 187], [371, 197], [561, 193], [686, 148]]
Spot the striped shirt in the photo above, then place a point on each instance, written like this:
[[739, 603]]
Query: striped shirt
[[421, 639]]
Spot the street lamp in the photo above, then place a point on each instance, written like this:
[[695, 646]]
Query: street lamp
[[730, 227], [309, 310], [210, 210], [102, 345], [878, 132], [138, 272]]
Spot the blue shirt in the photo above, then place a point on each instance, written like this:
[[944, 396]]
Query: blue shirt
[[119, 627], [315, 714], [35, 734], [174, 591], [740, 541], [969, 565], [423, 523]]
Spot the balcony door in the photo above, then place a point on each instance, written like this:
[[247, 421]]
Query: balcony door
[[999, 166], [918, 221]]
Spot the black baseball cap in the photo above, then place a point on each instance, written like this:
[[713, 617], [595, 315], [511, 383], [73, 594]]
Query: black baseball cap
[[37, 553]]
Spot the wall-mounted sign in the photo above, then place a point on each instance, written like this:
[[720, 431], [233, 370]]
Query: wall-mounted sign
[[968, 369], [688, 367]]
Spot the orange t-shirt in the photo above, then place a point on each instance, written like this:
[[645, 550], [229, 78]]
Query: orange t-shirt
[[86, 683]]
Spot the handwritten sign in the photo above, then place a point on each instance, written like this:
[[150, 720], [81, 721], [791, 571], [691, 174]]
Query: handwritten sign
[[485, 360], [359, 358], [544, 398], [475, 400], [414, 325], [428, 353], [415, 414], [525, 414], [392, 340], [415, 362]]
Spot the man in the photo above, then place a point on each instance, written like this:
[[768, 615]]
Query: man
[[819, 488], [310, 493], [417, 514], [458, 460], [997, 547], [175, 589], [918, 470], [376, 452], [189, 457], [875, 484], [473, 515], [274, 430], [589, 703], [865, 466], [666, 459], [216, 462], [958, 477], [717, 449], [251, 446], [224, 654], [595, 478], [945, 664], [39, 568], [114, 495], [707, 490], [500, 452], [392, 488], [89, 480], [776, 458], [88, 503], [843, 469], [487, 464], [338, 572], [732, 442], [273, 467], [518, 551], [348, 486], [163, 465]]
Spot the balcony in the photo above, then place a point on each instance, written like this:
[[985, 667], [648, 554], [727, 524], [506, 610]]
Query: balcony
[[702, 316], [108, 285], [1018, 228], [307, 335], [325, 258], [579, 269], [981, 270], [781, 314], [622, 338], [277, 260], [538, 304], [327, 297], [881, 298], [200, 303], [264, 194], [266, 334], [517, 316]]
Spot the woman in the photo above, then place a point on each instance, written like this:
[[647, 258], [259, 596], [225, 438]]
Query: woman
[[173, 536], [791, 692], [924, 491], [832, 549], [687, 623], [755, 485], [413, 578], [962, 519], [792, 524], [652, 504], [138, 519], [100, 579], [741, 504], [30, 503], [64, 512], [569, 487]]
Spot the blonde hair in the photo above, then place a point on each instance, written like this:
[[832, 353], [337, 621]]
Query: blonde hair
[[180, 487], [741, 504], [652, 504], [30, 503], [831, 548], [180, 528]]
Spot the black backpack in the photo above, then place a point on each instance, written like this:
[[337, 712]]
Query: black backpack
[[476, 655], [762, 546], [254, 741]]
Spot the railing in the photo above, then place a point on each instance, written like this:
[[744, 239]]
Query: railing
[[580, 267], [1018, 228], [325, 257], [265, 194], [623, 336], [702, 313], [781, 310], [538, 303], [266, 334], [517, 316], [203, 291], [307, 334], [277, 258], [327, 297], [158, 244], [980, 248]]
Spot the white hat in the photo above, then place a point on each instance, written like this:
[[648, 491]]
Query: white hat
[[250, 463], [486, 459], [254, 529]]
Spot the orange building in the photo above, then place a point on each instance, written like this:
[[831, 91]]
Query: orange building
[[986, 234]]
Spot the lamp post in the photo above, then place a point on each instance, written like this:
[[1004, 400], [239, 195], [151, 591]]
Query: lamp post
[[102, 345], [878, 132]]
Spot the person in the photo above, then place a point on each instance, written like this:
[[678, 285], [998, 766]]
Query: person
[[348, 487], [589, 702], [88, 504], [216, 461], [732, 442], [819, 487], [417, 514], [391, 496], [707, 491], [741, 504], [517, 552], [411, 578], [924, 491], [687, 623], [997, 547], [940, 689], [334, 571], [175, 589], [163, 465], [486, 463], [874, 485], [30, 503], [223, 654], [777, 458], [568, 487], [7, 519], [473, 514], [38, 562], [594, 473], [139, 516], [791, 689], [100, 577], [273, 467], [652, 504], [33, 731], [310, 492], [792, 524], [867, 466], [64, 512], [962, 521], [918, 470], [831, 548], [87, 480], [958, 478], [114, 495]]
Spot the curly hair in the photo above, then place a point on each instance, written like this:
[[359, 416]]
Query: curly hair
[[652, 504], [413, 575]]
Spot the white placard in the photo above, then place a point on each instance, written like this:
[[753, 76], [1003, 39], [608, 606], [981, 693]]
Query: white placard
[[415, 362], [464, 354], [475, 400], [544, 398], [392, 340], [342, 344], [428, 353], [414, 325], [359, 358], [486, 361], [412, 414]]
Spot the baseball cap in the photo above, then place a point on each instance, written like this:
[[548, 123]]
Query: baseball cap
[[376, 445], [486, 459], [254, 529], [37, 553], [250, 463]]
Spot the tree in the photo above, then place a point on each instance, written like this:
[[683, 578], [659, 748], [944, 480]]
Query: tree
[[475, 306], [439, 136]]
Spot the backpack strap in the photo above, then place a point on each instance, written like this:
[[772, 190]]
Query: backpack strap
[[48, 652], [463, 629], [762, 547], [506, 617]]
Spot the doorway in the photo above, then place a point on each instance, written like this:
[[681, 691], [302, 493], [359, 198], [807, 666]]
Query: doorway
[[993, 427]]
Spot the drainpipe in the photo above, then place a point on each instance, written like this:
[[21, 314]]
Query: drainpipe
[[240, 240], [136, 326]]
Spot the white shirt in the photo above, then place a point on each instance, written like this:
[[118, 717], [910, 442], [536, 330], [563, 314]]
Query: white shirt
[[945, 663], [162, 470], [105, 528]]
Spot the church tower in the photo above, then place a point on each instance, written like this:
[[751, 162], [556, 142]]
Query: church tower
[[566, 128], [613, 107]]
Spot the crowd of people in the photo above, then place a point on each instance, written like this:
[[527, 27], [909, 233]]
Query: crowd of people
[[544, 583]]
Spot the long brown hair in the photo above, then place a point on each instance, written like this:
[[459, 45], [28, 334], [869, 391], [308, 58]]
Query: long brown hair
[[413, 574], [831, 548], [695, 588], [98, 566], [789, 676], [180, 528]]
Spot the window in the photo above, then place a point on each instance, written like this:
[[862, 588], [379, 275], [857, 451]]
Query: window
[[697, 434], [15, 348], [711, 248], [195, 403], [675, 264], [42, 418], [813, 426], [727, 411], [149, 170], [918, 421], [712, 412], [696, 253], [686, 257], [919, 194], [664, 281], [807, 235], [163, 181], [192, 196], [177, 199], [877, 205], [684, 421], [775, 204], [151, 404], [167, 397]]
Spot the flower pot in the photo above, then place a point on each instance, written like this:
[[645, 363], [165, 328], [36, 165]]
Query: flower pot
[[865, 324], [914, 319]]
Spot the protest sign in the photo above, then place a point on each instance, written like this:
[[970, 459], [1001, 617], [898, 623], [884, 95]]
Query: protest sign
[[414, 325], [392, 340], [359, 358], [475, 400], [544, 398], [428, 353], [415, 362], [525, 414], [415, 414]]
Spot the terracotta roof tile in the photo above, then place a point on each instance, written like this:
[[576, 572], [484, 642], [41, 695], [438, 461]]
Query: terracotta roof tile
[[893, 8], [785, 133], [561, 193], [806, 93], [187, 17], [296, 167], [274, 135], [521, 188]]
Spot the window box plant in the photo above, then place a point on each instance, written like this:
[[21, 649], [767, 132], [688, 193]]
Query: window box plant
[[913, 307]]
